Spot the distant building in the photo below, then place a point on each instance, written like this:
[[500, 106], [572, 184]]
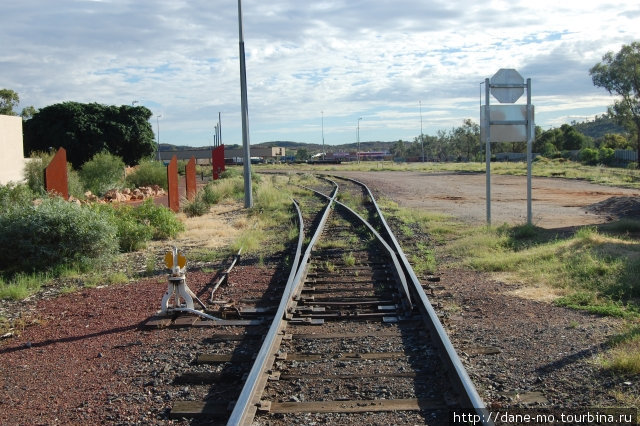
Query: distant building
[[232, 156], [12, 160], [202, 155], [258, 154]]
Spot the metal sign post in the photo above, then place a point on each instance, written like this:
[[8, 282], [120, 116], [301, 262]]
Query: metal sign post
[[487, 127], [507, 123], [530, 136]]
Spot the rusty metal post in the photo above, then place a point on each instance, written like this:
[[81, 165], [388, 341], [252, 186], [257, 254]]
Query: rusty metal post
[[56, 179], [172, 181], [191, 179]]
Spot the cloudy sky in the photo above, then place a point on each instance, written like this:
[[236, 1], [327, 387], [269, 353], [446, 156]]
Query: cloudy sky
[[308, 60]]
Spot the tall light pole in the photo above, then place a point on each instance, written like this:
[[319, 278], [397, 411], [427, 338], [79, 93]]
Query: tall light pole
[[219, 128], [358, 137], [158, 117], [421, 137], [322, 112], [248, 196]]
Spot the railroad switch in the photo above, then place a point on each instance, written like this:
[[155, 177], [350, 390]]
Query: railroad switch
[[177, 287]]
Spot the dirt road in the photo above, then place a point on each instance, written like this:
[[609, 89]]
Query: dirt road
[[556, 203]]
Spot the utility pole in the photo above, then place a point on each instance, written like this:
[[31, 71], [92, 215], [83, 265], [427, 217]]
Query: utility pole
[[421, 137], [158, 117], [219, 128], [322, 112], [358, 137]]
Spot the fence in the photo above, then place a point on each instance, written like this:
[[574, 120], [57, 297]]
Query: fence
[[626, 155]]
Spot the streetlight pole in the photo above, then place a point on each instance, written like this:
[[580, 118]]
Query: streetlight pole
[[158, 117], [358, 137], [248, 196], [421, 137]]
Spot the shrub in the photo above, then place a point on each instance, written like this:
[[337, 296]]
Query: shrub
[[589, 156], [197, 207], [137, 225], [15, 195], [103, 172], [53, 234], [34, 171], [163, 222], [76, 187], [132, 235], [149, 173], [209, 195], [34, 175], [606, 155], [549, 150]]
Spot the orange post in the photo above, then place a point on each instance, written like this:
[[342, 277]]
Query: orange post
[[191, 179], [56, 179], [172, 180]]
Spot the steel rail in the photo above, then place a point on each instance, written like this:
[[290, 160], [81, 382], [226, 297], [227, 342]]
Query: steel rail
[[225, 274], [398, 268], [469, 395], [242, 413]]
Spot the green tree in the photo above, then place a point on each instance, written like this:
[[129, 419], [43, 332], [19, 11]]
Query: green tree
[[87, 129], [302, 154], [572, 139], [615, 141], [548, 139], [8, 101], [399, 150], [466, 139], [28, 112], [619, 74]]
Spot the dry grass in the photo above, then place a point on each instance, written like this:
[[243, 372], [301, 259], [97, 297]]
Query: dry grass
[[538, 293], [216, 229]]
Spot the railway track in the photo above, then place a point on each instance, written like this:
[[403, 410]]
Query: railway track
[[353, 339]]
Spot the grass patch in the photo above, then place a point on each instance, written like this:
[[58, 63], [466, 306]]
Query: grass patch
[[439, 226], [208, 255], [590, 302], [424, 260], [595, 270], [21, 286], [624, 357], [558, 168], [349, 259], [622, 226], [270, 219]]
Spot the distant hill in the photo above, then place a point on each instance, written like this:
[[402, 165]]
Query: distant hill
[[312, 148], [169, 147], [599, 127]]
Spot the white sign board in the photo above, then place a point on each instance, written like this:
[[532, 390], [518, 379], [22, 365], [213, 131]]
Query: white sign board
[[506, 132], [507, 76]]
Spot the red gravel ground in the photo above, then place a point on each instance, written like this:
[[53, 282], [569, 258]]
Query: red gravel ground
[[88, 358], [65, 369]]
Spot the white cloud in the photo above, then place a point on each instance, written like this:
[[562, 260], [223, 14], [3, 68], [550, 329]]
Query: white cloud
[[374, 59]]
